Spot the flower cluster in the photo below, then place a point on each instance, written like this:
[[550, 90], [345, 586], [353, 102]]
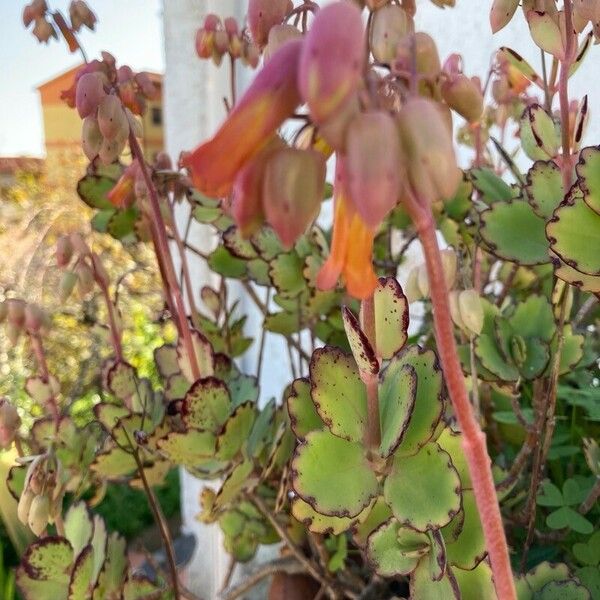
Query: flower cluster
[[21, 317], [80, 15], [389, 141], [215, 39], [107, 98]]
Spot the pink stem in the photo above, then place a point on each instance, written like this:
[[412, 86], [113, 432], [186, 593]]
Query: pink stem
[[162, 249], [563, 96], [40, 356], [112, 322], [474, 445]]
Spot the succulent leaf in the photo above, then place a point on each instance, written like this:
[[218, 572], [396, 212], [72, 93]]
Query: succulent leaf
[[391, 317]]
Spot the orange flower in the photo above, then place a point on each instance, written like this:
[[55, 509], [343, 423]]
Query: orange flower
[[269, 101], [351, 249], [122, 194]]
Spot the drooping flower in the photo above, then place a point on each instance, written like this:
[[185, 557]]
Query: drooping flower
[[123, 193], [269, 101], [332, 60], [351, 254], [374, 168], [265, 14]]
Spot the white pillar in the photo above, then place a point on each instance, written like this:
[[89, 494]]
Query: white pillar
[[193, 108]]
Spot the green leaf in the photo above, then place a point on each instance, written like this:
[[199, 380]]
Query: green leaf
[[237, 245], [113, 463], [361, 348], [429, 404], [513, 232], [206, 404], [317, 523], [540, 137], [422, 585], [586, 283], [544, 188], [304, 417], [122, 380], [396, 550], [221, 261], [567, 517], [588, 169], [572, 493], [468, 550], [491, 187], [391, 317], [332, 475], [451, 442], [435, 501], [377, 514], [588, 553], [190, 448], [550, 495], [122, 223], [397, 396], [338, 558], [590, 578], [139, 587], [534, 318], [114, 569], [101, 220], [45, 569], [204, 356], [573, 234], [81, 576], [562, 590], [477, 583], [235, 431], [234, 484], [266, 243], [285, 271], [538, 577], [79, 527], [284, 323], [338, 393], [93, 190]]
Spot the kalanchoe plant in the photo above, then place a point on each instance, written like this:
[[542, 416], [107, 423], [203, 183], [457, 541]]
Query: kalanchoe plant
[[422, 465]]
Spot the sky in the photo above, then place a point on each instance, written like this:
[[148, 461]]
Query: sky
[[129, 29]]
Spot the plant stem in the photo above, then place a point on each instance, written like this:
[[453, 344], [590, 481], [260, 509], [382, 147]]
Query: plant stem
[[40, 356], [162, 525], [162, 248], [474, 445], [563, 96], [373, 429], [591, 498], [112, 322]]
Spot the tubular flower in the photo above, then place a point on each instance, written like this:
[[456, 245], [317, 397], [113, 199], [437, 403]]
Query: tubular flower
[[123, 194], [269, 101], [332, 60], [351, 248]]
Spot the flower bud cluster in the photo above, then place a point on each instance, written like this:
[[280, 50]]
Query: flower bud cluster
[[41, 499], [83, 268], [107, 98], [9, 423], [466, 308], [21, 317], [217, 38], [80, 15]]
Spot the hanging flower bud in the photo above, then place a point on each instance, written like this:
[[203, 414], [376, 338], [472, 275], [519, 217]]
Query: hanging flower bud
[[24, 505], [16, 312], [471, 311], [428, 150], [375, 4], [212, 300], [112, 119], [80, 14], [3, 311], [269, 101], [204, 43], [264, 14], [85, 278], [390, 24], [110, 150], [411, 289], [64, 251], [91, 137], [79, 244], [427, 59], [90, 92], [250, 54], [373, 165], [293, 191], [279, 35], [501, 13], [39, 513], [351, 252], [455, 309], [67, 285], [9, 423], [247, 202], [122, 194], [464, 96], [43, 30], [332, 60]]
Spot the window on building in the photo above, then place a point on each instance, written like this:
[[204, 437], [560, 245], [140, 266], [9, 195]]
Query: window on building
[[156, 115]]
